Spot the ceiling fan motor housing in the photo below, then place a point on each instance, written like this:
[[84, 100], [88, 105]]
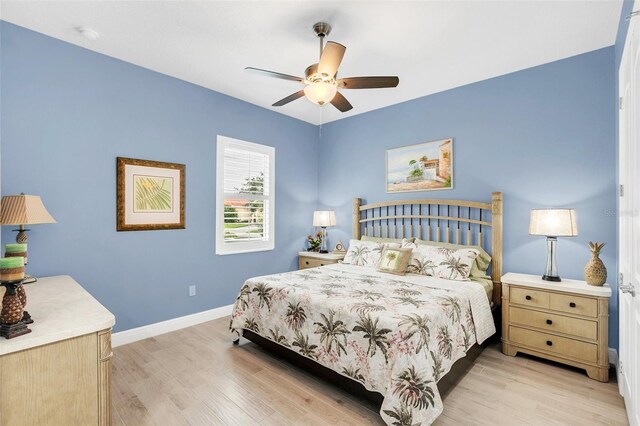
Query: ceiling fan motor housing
[[322, 29]]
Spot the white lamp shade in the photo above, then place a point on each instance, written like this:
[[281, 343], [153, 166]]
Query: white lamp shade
[[553, 222], [324, 218], [320, 92]]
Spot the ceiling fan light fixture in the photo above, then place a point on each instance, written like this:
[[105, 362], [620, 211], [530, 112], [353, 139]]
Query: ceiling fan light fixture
[[321, 86], [320, 92]]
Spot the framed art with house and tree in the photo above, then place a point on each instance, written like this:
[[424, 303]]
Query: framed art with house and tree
[[422, 167]]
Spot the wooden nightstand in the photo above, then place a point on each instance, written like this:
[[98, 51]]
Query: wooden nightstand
[[567, 322], [311, 259]]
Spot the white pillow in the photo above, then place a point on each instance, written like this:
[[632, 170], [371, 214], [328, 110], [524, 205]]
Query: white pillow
[[366, 253], [442, 262], [405, 243]]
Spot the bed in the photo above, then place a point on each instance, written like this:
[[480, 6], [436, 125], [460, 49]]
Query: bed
[[398, 337]]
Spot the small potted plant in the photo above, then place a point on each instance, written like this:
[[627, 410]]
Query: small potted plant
[[313, 243]]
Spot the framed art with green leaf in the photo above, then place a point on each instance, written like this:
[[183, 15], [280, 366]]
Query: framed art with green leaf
[[150, 195]]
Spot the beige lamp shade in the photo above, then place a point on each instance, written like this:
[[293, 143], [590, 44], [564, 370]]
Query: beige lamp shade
[[553, 222], [24, 210], [324, 218]]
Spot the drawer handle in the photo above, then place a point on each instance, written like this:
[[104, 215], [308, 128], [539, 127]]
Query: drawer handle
[[527, 297], [572, 305], [549, 322], [322, 264], [549, 343], [307, 262]]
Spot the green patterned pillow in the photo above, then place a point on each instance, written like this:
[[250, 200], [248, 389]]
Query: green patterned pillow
[[394, 260]]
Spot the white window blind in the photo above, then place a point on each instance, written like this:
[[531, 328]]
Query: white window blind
[[245, 196]]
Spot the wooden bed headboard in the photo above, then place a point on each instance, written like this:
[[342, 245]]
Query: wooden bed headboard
[[449, 221]]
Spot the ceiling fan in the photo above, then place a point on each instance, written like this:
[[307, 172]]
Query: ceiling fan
[[321, 83]]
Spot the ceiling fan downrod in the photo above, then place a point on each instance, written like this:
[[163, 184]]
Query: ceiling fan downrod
[[322, 29]]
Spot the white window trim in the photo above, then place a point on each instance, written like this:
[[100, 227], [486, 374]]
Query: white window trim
[[222, 247]]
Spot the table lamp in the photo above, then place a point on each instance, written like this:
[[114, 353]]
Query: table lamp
[[553, 223], [23, 210], [324, 219]]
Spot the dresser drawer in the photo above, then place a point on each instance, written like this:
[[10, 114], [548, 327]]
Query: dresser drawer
[[561, 346], [574, 304], [556, 323], [529, 297]]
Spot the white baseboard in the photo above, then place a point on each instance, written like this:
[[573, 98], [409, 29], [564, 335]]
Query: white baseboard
[[613, 358], [151, 330]]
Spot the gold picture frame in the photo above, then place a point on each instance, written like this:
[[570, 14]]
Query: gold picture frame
[[150, 195]]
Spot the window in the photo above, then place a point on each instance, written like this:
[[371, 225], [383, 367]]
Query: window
[[245, 187]]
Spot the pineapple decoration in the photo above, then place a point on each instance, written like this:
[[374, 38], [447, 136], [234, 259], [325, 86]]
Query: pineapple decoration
[[595, 272], [11, 308]]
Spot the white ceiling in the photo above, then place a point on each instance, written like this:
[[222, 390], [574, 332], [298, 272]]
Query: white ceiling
[[431, 45]]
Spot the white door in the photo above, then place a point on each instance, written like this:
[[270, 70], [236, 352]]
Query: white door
[[629, 162]]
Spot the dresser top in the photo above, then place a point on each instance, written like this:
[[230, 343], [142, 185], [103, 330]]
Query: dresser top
[[566, 285], [331, 255], [61, 309]]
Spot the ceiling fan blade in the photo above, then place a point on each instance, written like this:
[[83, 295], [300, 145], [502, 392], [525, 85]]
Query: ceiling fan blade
[[368, 82], [331, 57], [274, 74], [341, 102], [290, 98]]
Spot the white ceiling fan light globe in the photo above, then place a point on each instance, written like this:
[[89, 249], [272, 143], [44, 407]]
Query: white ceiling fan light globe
[[320, 92]]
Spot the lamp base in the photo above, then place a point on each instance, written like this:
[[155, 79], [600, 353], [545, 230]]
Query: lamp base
[[323, 240], [551, 270], [21, 237], [551, 278]]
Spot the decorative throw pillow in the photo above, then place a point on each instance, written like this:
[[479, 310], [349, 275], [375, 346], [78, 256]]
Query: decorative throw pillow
[[365, 253], [480, 265], [442, 262], [394, 260]]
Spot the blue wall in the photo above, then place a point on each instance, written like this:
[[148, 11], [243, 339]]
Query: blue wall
[[67, 113], [544, 136]]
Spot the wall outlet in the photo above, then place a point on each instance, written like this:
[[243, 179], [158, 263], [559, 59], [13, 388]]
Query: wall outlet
[[192, 290]]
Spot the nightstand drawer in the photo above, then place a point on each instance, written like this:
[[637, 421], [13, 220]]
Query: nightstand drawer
[[313, 260], [307, 262], [560, 346], [556, 323], [574, 304], [529, 297]]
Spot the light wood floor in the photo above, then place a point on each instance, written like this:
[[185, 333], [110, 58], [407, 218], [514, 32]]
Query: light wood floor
[[196, 376]]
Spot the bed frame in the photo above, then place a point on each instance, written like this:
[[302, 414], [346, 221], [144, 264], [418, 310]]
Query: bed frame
[[437, 220], [427, 219]]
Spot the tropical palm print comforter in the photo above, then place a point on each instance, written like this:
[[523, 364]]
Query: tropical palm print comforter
[[397, 335]]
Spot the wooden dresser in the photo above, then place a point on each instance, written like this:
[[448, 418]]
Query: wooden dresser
[[311, 259], [60, 373], [565, 321]]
